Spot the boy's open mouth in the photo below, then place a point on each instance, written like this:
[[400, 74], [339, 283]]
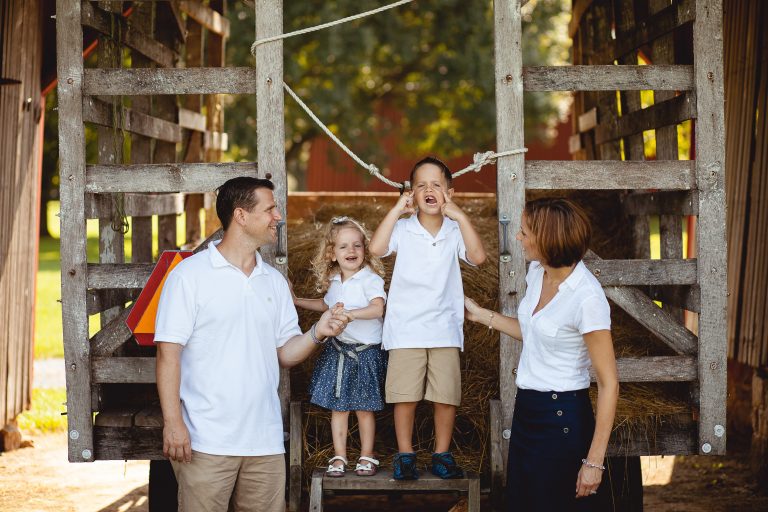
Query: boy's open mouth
[[430, 200]]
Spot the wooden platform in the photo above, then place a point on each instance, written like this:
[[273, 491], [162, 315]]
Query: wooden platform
[[385, 484]]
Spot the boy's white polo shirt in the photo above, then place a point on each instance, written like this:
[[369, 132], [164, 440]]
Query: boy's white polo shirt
[[230, 326], [426, 296], [555, 357], [357, 292]]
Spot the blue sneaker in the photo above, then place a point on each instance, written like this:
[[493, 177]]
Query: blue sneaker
[[405, 466], [444, 466]]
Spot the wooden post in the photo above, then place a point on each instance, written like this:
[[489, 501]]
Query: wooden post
[[194, 141], [141, 147], [215, 119], [510, 196], [270, 134], [69, 67], [165, 108], [110, 146], [711, 241]]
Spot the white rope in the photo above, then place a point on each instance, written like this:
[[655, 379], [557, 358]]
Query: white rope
[[326, 25], [372, 169], [489, 157]]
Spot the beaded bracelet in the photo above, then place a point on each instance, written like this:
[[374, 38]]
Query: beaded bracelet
[[490, 322], [590, 465], [313, 335]]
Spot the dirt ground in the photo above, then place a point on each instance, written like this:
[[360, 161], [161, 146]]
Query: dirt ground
[[39, 479]]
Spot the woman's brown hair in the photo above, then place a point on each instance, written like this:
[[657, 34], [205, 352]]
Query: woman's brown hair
[[561, 228]]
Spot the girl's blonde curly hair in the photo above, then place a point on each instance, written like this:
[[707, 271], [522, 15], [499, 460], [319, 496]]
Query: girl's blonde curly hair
[[323, 265]]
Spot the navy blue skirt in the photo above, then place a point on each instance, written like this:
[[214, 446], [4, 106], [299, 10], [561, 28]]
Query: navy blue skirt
[[551, 433], [349, 377]]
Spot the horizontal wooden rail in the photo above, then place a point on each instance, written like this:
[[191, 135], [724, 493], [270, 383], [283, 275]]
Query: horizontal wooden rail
[[99, 206], [141, 370], [122, 31], [672, 202], [118, 275], [609, 174], [608, 78], [99, 112], [102, 300], [668, 437], [643, 272], [665, 113], [656, 369], [126, 82], [177, 177]]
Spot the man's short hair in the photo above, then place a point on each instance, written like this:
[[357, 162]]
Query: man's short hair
[[238, 193], [561, 228], [434, 161]]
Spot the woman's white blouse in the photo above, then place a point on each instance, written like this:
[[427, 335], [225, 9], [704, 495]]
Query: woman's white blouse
[[555, 357]]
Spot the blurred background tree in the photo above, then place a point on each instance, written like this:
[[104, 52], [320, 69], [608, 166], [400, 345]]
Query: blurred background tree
[[431, 61]]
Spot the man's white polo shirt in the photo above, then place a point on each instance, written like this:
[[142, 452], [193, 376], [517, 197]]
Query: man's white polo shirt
[[230, 326], [357, 292], [426, 296], [555, 357]]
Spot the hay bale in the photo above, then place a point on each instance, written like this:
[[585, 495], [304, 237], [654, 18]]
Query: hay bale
[[641, 407]]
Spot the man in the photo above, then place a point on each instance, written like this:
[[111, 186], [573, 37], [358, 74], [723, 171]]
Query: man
[[225, 323]]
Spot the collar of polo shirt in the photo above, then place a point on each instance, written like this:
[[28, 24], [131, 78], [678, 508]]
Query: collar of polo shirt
[[218, 260], [413, 225]]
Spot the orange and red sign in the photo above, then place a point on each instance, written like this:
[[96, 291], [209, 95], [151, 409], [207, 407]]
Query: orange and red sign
[[141, 319]]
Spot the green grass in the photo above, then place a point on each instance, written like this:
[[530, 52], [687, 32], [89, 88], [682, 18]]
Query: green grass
[[45, 414]]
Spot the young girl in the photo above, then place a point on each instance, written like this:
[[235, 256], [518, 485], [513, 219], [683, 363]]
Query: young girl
[[349, 372]]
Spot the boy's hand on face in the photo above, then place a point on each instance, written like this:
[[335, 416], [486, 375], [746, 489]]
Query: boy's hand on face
[[405, 203], [451, 209]]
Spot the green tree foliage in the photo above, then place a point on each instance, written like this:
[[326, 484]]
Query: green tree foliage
[[431, 60]]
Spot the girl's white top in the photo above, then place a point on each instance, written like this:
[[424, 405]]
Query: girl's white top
[[355, 293], [555, 357]]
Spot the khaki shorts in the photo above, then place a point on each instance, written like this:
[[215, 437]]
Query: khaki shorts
[[408, 368], [255, 483]]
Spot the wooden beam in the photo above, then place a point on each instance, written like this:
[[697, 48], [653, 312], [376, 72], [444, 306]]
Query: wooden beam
[[69, 44], [102, 300], [511, 179], [671, 202], [608, 78], [103, 276], [101, 113], [206, 16], [295, 452], [665, 113], [136, 204], [110, 337], [667, 438], [123, 370], [655, 369], [643, 272], [171, 177], [608, 175], [657, 25], [118, 28], [192, 120], [127, 82], [712, 240]]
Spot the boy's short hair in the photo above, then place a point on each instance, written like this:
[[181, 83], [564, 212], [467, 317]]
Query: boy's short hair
[[561, 228], [238, 193], [434, 161]]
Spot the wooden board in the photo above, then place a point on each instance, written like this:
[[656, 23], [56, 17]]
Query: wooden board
[[170, 177], [608, 175]]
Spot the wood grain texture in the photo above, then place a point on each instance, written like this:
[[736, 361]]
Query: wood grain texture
[[169, 177], [608, 175], [712, 240], [608, 78], [69, 42]]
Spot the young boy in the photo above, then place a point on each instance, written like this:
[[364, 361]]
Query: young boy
[[425, 313]]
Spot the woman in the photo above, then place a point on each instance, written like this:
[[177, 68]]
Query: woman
[[557, 448]]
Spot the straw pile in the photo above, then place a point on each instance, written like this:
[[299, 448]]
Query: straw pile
[[640, 406]]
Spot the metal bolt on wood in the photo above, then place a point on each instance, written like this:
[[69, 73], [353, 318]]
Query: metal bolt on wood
[[74, 435], [706, 448], [506, 433], [86, 454], [719, 430]]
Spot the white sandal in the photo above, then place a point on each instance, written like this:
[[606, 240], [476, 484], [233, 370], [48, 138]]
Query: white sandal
[[369, 468], [336, 471]]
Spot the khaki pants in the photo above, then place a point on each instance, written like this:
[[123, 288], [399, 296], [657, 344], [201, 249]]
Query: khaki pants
[[254, 483]]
